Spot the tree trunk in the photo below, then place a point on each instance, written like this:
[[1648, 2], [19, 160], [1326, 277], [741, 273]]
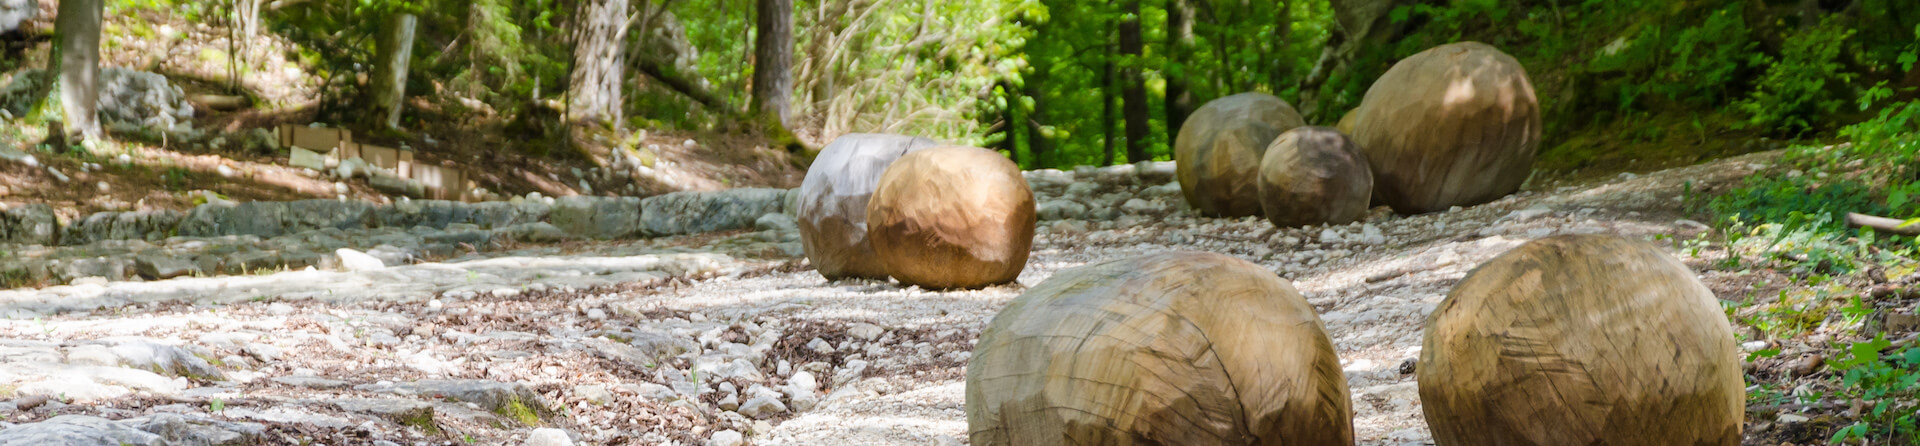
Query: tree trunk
[[1358, 24], [1037, 143], [1106, 107], [1179, 101], [1133, 88], [772, 60], [394, 52], [79, 30], [1283, 31], [599, 63]]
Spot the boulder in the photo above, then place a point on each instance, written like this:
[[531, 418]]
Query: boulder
[[1218, 151], [136, 225], [597, 217], [1455, 125], [273, 219], [833, 202], [1314, 176], [78, 430], [1581, 339], [33, 224], [681, 213], [952, 217], [1199, 347], [15, 12]]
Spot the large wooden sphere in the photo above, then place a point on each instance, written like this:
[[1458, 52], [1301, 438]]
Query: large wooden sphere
[[1185, 348], [1313, 176], [952, 217], [833, 202], [1581, 340], [1455, 125], [1217, 152]]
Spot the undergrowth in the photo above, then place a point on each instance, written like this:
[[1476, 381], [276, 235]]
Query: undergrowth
[[1794, 221]]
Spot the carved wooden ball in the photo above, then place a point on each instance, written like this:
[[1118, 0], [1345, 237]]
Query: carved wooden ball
[[1217, 152], [1455, 125], [1314, 176], [1581, 340], [952, 217], [833, 202], [1185, 348]]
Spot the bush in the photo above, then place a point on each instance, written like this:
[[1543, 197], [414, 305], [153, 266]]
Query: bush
[[1797, 87]]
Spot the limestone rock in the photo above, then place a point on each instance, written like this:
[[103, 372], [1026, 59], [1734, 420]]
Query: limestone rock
[[77, 430], [833, 202], [1314, 176], [952, 217], [597, 217], [1218, 151], [707, 211], [32, 224], [1455, 125]]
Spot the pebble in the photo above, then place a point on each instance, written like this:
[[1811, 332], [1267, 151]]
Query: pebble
[[727, 437], [548, 436]]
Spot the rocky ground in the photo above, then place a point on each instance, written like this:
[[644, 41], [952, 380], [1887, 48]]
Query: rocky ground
[[715, 339]]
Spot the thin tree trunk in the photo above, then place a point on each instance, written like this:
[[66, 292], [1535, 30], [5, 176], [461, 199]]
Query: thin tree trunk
[[772, 60], [1283, 31], [1037, 143], [1133, 88], [599, 63], [1106, 107], [79, 29], [1179, 101], [395, 53]]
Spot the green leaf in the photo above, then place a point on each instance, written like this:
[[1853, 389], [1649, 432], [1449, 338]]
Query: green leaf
[[1399, 14]]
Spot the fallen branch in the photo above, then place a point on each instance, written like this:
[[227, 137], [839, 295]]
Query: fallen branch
[[1882, 224]]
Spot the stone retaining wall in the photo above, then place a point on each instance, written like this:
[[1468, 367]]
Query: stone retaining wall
[[37, 248]]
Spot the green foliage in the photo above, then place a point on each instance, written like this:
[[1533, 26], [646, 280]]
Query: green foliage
[[1890, 382], [1797, 87]]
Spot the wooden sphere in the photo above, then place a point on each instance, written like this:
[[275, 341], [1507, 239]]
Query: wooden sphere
[[1581, 340], [833, 202], [952, 217], [1186, 348], [1218, 151], [1455, 125], [1314, 176]]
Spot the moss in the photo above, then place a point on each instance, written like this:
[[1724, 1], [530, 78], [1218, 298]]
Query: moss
[[519, 411], [422, 419]]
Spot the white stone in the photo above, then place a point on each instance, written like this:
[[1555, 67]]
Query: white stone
[[352, 260], [548, 437], [727, 437], [865, 331]]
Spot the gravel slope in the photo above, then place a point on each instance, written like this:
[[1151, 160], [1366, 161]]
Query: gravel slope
[[710, 346]]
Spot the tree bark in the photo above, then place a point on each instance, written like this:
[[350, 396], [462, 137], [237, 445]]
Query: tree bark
[[1358, 24], [1037, 144], [1179, 101], [773, 60], [79, 29], [599, 63], [394, 54], [1282, 32], [1106, 107], [1133, 88]]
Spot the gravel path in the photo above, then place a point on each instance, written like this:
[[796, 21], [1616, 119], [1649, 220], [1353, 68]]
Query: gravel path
[[708, 347]]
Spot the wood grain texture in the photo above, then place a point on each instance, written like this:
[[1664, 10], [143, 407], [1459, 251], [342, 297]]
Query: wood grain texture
[[952, 217], [1455, 125], [1185, 348], [1312, 176], [1218, 151], [833, 202], [1581, 340]]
